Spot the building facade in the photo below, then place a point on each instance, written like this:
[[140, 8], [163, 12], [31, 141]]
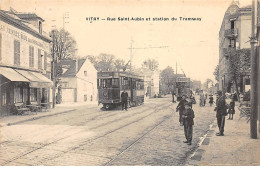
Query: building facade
[[25, 62], [233, 36], [78, 81]]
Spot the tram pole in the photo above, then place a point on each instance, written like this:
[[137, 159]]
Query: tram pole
[[253, 76]]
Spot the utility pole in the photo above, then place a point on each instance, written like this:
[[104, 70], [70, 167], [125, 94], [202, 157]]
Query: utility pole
[[253, 76], [54, 60]]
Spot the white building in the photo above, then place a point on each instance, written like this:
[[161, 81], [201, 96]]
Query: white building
[[78, 81]]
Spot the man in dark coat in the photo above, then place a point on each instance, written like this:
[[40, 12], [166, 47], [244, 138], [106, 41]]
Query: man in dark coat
[[124, 96], [221, 112], [188, 116], [180, 108], [173, 93]]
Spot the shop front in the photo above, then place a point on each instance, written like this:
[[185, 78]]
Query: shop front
[[22, 86]]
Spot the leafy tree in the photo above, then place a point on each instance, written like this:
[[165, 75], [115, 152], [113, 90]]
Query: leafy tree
[[216, 73], [167, 79], [239, 62], [151, 64], [106, 62], [119, 64]]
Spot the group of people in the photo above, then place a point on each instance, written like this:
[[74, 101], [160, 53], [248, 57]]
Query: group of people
[[186, 114]]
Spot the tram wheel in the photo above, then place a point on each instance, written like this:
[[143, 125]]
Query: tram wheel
[[107, 106]]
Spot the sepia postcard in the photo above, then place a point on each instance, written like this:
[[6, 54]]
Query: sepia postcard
[[129, 83]]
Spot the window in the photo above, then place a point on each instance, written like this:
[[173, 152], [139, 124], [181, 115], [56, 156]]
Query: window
[[33, 94], [45, 60], [4, 97], [115, 82], [31, 56], [39, 59], [18, 94], [40, 27], [16, 52], [0, 46], [86, 73], [232, 24]]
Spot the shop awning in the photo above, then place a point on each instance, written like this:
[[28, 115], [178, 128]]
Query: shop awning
[[12, 75], [37, 80]]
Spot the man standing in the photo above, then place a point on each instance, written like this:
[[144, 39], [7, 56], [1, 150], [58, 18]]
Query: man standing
[[188, 116], [221, 112], [173, 93], [124, 96], [180, 108]]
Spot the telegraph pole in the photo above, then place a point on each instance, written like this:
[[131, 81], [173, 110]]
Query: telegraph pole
[[53, 71], [253, 76]]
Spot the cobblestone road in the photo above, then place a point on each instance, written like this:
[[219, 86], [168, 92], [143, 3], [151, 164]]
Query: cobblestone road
[[145, 135]]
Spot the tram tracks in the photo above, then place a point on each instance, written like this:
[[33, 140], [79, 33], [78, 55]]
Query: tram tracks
[[156, 109]]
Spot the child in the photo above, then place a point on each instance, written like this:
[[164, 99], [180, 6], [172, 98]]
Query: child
[[188, 115], [231, 110]]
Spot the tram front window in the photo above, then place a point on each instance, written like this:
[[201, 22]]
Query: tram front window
[[108, 83]]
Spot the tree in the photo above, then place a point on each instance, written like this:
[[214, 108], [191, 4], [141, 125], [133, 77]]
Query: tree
[[167, 79], [106, 62], [216, 73], [64, 44], [151, 64], [239, 62], [119, 64]]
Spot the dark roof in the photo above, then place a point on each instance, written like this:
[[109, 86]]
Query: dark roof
[[28, 16], [5, 15], [69, 67]]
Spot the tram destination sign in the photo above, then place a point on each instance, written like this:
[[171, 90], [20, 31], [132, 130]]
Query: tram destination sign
[[182, 79]]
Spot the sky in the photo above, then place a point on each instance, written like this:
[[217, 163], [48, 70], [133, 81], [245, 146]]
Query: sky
[[193, 45]]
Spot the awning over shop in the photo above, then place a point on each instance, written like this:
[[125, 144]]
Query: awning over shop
[[12, 75], [37, 80]]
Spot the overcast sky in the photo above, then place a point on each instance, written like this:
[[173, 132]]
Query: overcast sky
[[192, 44]]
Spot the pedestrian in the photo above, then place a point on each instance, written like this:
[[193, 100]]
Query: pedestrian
[[221, 112], [188, 122], [201, 99], [173, 93], [211, 100], [231, 109], [180, 108], [205, 98], [124, 96]]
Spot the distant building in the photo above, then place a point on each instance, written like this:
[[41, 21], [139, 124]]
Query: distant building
[[25, 60], [78, 81], [151, 81], [234, 33]]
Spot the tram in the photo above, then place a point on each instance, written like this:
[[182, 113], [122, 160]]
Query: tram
[[182, 87], [111, 84]]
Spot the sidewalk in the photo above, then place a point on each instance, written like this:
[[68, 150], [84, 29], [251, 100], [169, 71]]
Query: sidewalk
[[235, 148], [16, 119]]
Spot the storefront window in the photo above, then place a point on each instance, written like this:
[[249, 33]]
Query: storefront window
[[3, 98], [18, 94], [33, 94]]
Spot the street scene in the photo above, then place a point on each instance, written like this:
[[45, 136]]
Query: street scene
[[139, 83]]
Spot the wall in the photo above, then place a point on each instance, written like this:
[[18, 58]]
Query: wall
[[87, 85], [11, 33], [245, 31]]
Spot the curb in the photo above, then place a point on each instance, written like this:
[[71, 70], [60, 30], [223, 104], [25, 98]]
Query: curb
[[205, 140], [36, 118]]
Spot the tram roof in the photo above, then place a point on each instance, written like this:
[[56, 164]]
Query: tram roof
[[111, 74]]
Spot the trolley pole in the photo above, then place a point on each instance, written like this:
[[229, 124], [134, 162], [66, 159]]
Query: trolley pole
[[253, 76]]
